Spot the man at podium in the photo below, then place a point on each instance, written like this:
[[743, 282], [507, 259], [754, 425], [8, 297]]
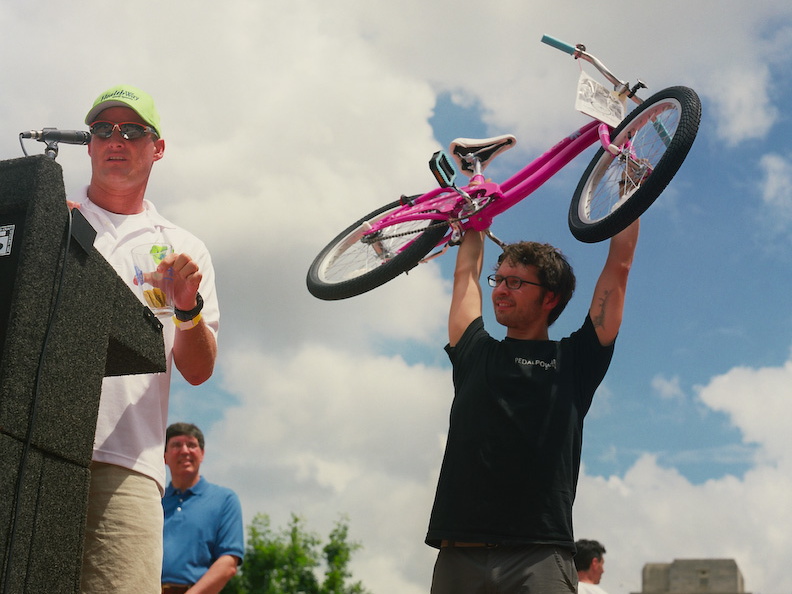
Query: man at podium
[[123, 537]]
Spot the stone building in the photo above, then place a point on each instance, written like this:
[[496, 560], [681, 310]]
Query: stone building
[[693, 576]]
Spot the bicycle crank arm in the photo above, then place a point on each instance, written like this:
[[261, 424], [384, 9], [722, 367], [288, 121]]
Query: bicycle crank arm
[[438, 253]]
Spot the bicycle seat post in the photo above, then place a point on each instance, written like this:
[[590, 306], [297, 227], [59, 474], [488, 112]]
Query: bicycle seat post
[[477, 178]]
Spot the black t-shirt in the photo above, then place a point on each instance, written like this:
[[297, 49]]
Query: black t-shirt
[[512, 458]]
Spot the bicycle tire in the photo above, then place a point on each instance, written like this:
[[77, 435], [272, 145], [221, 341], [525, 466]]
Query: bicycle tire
[[601, 207], [347, 267]]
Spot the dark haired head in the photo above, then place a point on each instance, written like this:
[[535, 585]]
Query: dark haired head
[[552, 269], [177, 429], [587, 551]]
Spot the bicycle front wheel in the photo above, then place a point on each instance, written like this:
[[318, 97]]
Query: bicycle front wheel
[[616, 190], [356, 262]]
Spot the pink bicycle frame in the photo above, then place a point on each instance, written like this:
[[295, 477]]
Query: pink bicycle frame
[[444, 204]]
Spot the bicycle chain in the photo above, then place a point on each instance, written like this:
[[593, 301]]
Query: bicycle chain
[[449, 222], [373, 238]]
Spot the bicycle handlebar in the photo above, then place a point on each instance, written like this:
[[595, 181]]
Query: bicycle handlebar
[[579, 51], [558, 44]]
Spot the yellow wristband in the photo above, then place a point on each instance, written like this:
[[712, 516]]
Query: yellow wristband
[[188, 324]]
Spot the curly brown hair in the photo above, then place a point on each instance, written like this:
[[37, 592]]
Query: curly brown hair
[[553, 269]]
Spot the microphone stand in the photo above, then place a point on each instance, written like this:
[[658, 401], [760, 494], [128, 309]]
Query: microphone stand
[[51, 150]]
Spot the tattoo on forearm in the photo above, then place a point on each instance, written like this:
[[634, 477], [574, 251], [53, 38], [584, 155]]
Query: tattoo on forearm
[[599, 318]]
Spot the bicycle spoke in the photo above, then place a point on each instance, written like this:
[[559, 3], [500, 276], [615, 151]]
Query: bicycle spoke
[[627, 171], [652, 142], [361, 253]]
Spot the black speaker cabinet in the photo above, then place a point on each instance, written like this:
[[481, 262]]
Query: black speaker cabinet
[[66, 321]]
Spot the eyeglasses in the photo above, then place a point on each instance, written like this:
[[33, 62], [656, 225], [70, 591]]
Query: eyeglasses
[[512, 282], [178, 444], [127, 130]]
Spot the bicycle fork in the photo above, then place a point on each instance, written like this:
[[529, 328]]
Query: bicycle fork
[[635, 170]]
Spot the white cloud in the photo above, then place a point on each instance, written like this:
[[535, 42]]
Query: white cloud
[[668, 388], [759, 401], [741, 113], [654, 514], [776, 184]]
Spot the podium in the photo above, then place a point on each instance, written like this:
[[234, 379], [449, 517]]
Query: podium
[[66, 321]]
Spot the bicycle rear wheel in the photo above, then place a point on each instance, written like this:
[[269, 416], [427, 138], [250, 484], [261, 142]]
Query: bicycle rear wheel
[[356, 262], [616, 190]]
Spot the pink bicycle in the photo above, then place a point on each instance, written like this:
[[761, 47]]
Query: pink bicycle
[[638, 157]]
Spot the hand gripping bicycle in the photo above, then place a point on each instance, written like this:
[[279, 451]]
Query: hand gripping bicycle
[[638, 156]]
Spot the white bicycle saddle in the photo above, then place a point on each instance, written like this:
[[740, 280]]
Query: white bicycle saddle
[[486, 149]]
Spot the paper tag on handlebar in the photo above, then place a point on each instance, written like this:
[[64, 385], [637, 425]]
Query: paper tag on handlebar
[[598, 102]]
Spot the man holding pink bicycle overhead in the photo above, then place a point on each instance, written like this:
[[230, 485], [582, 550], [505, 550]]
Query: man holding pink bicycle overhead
[[502, 516]]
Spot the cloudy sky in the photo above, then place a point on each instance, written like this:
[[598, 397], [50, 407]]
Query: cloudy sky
[[287, 121]]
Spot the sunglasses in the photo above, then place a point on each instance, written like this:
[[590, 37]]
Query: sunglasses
[[127, 130]]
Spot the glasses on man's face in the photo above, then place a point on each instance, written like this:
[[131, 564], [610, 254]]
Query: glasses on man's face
[[178, 444], [127, 130], [512, 282]]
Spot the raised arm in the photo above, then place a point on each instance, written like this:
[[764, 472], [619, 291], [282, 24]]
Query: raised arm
[[607, 305], [466, 300]]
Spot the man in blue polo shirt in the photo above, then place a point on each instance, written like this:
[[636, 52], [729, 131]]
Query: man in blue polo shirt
[[203, 535]]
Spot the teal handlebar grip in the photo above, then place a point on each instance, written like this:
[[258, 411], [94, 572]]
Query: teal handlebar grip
[[558, 44]]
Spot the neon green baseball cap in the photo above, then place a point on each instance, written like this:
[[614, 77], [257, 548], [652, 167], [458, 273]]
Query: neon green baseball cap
[[127, 96]]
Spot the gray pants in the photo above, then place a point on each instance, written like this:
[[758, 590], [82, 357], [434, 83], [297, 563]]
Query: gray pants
[[537, 569]]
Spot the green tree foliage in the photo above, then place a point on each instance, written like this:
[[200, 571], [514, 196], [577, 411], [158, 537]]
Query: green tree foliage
[[337, 554], [289, 561]]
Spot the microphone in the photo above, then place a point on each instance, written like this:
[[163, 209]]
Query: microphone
[[55, 135]]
